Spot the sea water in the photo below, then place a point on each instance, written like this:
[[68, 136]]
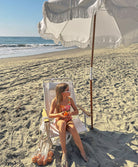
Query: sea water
[[25, 46]]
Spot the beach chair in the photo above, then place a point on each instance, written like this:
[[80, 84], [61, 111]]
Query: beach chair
[[47, 125]]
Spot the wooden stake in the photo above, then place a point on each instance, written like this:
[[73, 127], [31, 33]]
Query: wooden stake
[[93, 39]]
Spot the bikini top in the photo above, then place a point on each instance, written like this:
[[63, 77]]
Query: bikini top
[[66, 107]]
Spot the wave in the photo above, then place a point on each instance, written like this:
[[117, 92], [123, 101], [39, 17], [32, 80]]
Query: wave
[[27, 45]]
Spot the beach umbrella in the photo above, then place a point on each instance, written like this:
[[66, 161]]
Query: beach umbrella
[[90, 23]]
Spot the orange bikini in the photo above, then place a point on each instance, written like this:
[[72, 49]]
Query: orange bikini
[[65, 108]]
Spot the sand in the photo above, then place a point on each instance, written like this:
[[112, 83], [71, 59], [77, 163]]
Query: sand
[[112, 143]]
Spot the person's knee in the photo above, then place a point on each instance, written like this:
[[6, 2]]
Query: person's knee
[[72, 129]]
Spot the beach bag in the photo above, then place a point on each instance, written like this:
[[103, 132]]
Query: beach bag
[[44, 154]]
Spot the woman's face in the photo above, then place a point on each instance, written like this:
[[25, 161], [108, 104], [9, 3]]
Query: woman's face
[[66, 92]]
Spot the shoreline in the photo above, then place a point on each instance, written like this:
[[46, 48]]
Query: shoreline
[[43, 55], [49, 54]]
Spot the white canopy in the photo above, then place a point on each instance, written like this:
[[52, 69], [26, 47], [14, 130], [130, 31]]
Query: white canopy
[[71, 22]]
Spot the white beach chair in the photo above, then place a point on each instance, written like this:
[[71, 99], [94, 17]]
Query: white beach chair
[[48, 125]]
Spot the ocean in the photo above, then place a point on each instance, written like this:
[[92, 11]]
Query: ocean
[[25, 46]]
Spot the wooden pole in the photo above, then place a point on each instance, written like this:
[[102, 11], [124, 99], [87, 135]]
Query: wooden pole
[[93, 39]]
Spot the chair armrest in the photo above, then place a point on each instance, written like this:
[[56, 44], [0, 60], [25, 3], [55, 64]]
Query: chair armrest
[[45, 119], [84, 111], [45, 116]]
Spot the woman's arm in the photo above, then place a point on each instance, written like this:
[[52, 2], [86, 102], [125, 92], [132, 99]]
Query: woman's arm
[[52, 108], [75, 112]]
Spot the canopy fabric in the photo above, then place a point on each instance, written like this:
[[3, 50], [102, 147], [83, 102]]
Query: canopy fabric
[[125, 13], [71, 22]]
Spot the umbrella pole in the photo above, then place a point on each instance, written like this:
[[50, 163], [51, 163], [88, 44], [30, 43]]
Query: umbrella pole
[[92, 53]]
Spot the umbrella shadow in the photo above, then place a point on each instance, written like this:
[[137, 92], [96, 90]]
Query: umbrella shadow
[[103, 149]]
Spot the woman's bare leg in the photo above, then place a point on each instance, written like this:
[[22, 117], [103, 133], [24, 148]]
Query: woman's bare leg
[[61, 126], [71, 128]]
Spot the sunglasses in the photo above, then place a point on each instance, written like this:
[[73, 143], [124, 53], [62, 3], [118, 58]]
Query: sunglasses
[[66, 91]]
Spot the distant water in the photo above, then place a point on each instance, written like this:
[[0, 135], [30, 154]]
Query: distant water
[[25, 46]]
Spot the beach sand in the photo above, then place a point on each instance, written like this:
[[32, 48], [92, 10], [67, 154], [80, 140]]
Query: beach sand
[[112, 143]]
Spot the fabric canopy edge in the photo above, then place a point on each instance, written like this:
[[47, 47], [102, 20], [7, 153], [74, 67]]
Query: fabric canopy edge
[[79, 11]]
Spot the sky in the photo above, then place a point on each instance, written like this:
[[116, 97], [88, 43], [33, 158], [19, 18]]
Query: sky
[[20, 17]]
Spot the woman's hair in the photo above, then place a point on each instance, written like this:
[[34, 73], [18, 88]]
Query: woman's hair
[[60, 88]]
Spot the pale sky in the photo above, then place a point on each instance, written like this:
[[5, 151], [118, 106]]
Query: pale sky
[[20, 17]]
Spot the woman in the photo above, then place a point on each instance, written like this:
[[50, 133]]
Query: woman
[[60, 110]]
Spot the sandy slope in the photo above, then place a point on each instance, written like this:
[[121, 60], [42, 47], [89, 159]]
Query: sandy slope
[[112, 143]]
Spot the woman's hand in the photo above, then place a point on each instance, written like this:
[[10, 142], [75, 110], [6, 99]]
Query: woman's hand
[[68, 116], [65, 115], [61, 115]]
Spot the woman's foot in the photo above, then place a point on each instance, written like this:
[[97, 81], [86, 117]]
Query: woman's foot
[[84, 157], [64, 162]]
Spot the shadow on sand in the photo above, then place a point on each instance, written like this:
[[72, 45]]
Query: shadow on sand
[[103, 148]]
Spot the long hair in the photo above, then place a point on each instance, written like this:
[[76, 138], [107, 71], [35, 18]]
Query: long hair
[[60, 88]]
